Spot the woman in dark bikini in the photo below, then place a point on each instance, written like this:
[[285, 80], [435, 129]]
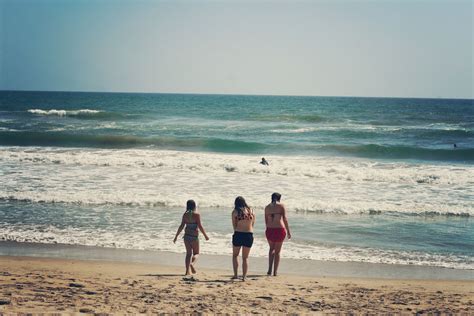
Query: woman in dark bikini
[[277, 229], [243, 220], [192, 220]]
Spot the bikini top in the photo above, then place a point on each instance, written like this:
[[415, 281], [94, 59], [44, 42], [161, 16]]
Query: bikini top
[[245, 216], [273, 214], [191, 226]]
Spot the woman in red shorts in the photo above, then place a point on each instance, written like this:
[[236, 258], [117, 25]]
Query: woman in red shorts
[[277, 230]]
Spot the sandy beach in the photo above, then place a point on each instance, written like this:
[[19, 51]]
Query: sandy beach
[[37, 285]]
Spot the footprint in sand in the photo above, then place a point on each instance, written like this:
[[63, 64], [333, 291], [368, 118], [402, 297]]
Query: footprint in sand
[[5, 302], [86, 310], [77, 285], [268, 298]]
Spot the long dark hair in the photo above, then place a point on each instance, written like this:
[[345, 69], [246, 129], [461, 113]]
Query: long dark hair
[[240, 205], [190, 205]]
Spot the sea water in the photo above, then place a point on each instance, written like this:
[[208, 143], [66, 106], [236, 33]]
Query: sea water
[[363, 179]]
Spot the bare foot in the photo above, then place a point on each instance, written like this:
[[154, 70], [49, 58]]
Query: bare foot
[[193, 270], [269, 273], [244, 278], [234, 277]]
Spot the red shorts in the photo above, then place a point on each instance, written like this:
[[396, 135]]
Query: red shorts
[[275, 234]]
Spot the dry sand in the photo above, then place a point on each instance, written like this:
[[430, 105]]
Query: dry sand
[[38, 285]]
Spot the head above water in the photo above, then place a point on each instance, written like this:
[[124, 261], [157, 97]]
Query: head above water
[[190, 205], [276, 197], [240, 205]]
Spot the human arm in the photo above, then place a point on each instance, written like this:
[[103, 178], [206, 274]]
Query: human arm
[[254, 218], [285, 220], [234, 220], [180, 228], [198, 221], [266, 216]]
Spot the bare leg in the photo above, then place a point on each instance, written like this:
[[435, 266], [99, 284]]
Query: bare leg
[[189, 252], [277, 257], [195, 247], [235, 260], [245, 265], [271, 256]]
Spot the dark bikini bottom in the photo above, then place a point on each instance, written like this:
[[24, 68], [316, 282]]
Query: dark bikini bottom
[[240, 239], [190, 238]]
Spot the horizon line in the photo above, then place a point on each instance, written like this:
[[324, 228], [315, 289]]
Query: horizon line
[[241, 94]]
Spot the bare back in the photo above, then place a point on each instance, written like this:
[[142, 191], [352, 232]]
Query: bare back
[[243, 222], [191, 220], [274, 215]]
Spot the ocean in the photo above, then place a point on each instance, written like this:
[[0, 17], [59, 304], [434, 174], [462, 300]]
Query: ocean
[[382, 180]]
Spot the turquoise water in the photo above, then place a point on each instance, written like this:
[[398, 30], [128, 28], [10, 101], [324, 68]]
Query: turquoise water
[[364, 179], [423, 129]]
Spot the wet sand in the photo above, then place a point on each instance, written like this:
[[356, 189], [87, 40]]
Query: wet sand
[[36, 285]]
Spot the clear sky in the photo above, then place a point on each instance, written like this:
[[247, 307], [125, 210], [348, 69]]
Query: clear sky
[[341, 48]]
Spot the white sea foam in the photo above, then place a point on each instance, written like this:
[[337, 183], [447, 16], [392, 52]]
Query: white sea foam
[[296, 130], [324, 127], [308, 184], [220, 244], [54, 112], [97, 126], [162, 181]]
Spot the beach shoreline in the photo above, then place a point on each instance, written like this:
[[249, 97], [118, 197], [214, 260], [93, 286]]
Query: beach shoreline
[[298, 267], [37, 285]]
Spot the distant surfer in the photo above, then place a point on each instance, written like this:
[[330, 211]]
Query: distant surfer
[[264, 162], [455, 146]]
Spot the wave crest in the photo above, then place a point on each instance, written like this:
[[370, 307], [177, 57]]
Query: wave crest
[[87, 114], [54, 112]]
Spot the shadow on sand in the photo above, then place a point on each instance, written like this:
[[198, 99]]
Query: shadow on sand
[[161, 275], [224, 278]]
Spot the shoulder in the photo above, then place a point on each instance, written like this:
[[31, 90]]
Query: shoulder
[[282, 208]]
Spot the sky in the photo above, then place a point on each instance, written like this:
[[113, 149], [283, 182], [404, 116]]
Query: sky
[[329, 48]]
